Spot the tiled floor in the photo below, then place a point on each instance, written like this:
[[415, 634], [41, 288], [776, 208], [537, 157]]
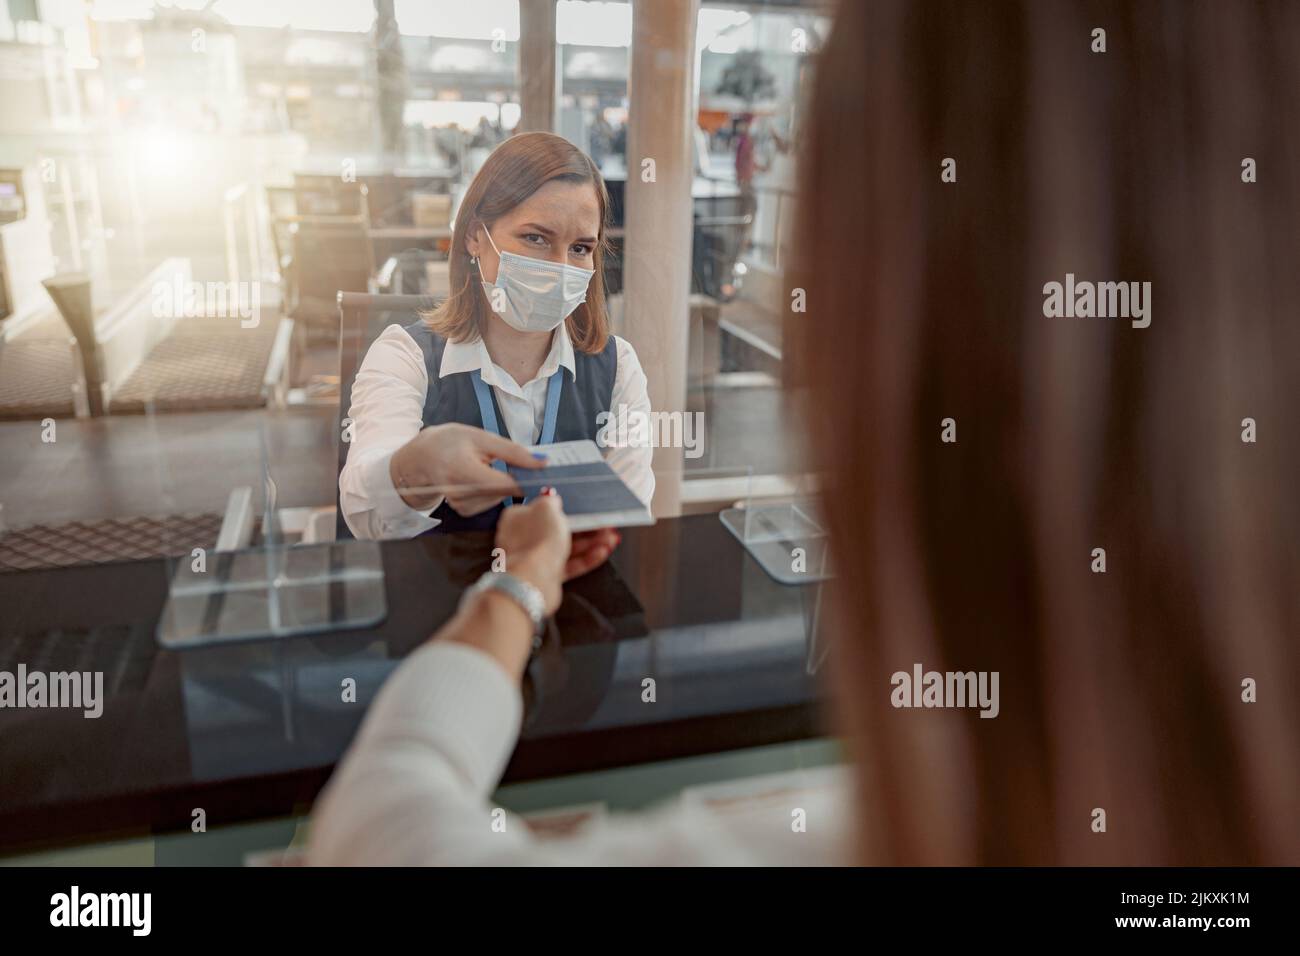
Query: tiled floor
[[173, 463]]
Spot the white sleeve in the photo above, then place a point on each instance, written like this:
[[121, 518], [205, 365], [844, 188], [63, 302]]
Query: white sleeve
[[633, 463], [414, 789], [387, 411]]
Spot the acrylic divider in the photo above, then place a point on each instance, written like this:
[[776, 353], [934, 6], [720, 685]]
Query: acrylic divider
[[777, 521], [259, 583]]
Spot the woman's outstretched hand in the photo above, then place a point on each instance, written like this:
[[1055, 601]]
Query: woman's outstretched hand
[[539, 548], [454, 461], [535, 539]]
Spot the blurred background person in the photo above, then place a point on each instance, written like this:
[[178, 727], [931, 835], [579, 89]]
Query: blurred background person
[[602, 140], [748, 164]]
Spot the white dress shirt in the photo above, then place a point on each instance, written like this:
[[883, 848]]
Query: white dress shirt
[[415, 786], [388, 411]]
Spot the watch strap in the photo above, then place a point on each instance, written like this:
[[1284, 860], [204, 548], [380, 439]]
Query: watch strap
[[526, 595]]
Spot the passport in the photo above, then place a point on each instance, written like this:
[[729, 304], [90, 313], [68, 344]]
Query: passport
[[593, 494]]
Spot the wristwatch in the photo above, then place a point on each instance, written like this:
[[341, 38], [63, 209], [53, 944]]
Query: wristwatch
[[526, 595]]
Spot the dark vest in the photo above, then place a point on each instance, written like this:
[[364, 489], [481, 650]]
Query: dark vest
[[452, 399]]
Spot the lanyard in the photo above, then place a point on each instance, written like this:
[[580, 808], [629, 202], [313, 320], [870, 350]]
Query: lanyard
[[489, 416]]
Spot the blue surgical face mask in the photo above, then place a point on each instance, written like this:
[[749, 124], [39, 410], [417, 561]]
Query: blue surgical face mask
[[534, 295]]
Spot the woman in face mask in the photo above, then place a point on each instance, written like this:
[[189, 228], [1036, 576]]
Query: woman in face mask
[[519, 354]]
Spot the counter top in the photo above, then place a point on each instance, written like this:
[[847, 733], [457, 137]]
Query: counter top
[[252, 730]]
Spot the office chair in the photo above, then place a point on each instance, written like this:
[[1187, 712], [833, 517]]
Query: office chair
[[331, 249]]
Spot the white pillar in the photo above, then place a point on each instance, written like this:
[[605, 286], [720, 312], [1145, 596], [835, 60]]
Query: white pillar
[[539, 77], [657, 244]]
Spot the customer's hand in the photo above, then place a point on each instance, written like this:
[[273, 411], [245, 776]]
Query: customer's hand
[[454, 461], [536, 541]]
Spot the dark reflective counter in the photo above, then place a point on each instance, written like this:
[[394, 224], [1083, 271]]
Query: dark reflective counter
[[253, 730]]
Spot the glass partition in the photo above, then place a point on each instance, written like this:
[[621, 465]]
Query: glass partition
[[180, 220]]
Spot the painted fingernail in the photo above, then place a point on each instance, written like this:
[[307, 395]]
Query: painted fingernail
[[548, 490], [539, 456]]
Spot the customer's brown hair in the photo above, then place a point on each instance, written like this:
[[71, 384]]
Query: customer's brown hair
[[515, 170], [1124, 691]]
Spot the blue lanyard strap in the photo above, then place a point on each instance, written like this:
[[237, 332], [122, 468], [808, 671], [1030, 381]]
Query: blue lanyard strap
[[552, 408], [489, 415]]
